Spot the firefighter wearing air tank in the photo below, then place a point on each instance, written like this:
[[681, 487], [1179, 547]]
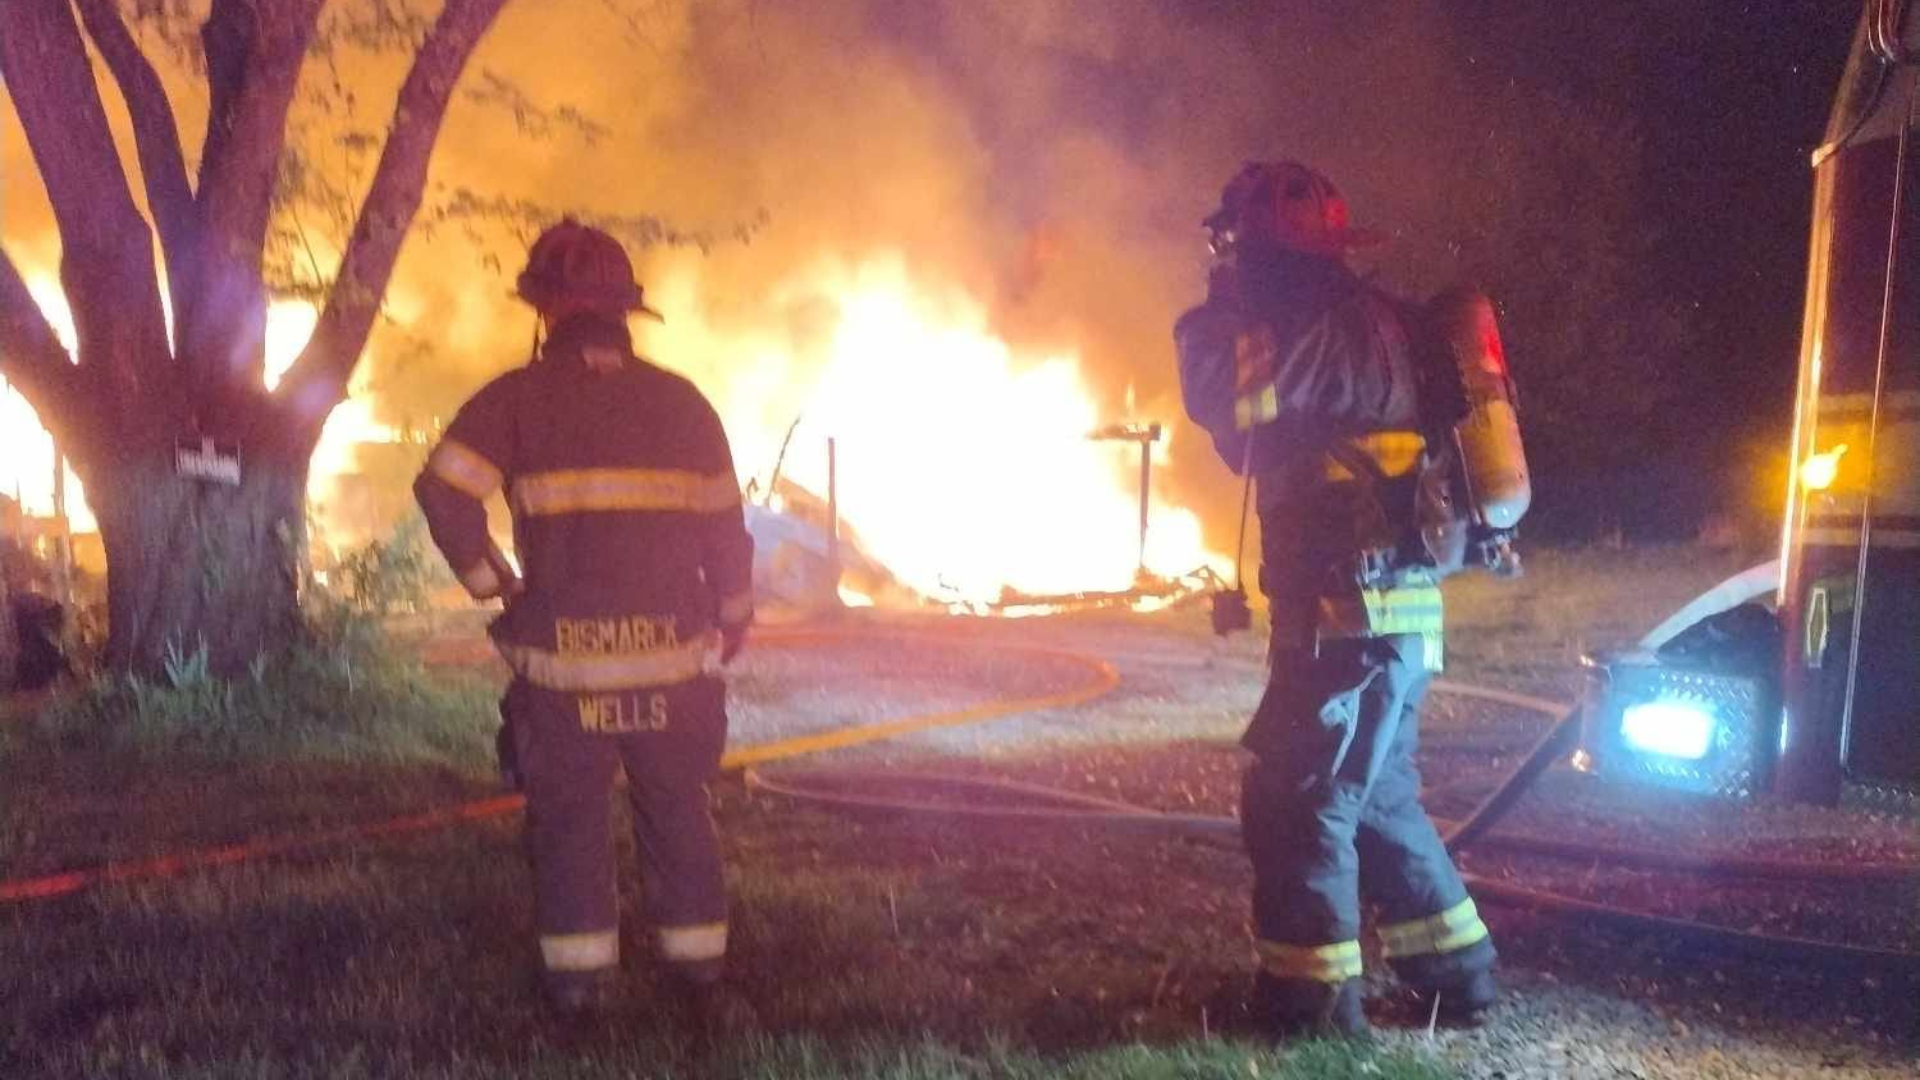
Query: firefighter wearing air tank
[[635, 565], [1343, 407]]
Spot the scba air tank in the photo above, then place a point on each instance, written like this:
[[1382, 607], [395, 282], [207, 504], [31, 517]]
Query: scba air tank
[[1491, 456]]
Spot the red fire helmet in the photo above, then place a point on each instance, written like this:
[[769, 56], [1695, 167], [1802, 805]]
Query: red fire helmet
[[574, 267], [1288, 205]]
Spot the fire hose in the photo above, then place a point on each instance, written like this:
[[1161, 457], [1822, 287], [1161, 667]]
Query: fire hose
[[1103, 678], [828, 788]]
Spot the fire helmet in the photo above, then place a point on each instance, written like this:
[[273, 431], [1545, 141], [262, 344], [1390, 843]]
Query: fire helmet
[[574, 267], [1288, 205]]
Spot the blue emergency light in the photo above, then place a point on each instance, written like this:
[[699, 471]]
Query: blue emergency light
[[1686, 709], [1669, 728]]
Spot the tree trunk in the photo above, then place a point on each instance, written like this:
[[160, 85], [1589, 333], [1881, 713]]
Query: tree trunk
[[195, 565]]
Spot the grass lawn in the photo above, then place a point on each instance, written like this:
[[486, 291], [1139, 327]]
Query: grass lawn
[[872, 948], [1530, 633]]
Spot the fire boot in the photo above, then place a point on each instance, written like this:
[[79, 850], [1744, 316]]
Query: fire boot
[[1308, 1008], [578, 995], [1465, 1004], [718, 1013]]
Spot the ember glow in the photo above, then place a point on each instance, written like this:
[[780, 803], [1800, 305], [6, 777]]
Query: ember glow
[[964, 465]]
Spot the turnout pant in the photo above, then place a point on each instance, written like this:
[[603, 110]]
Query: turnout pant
[[1331, 806], [570, 746]]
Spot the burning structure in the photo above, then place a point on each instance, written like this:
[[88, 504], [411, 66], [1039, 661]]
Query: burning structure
[[950, 237]]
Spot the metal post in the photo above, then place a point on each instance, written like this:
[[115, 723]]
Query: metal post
[[833, 513], [1146, 435], [1146, 485], [63, 535]]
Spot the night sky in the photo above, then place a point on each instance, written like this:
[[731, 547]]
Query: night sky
[[1731, 99]]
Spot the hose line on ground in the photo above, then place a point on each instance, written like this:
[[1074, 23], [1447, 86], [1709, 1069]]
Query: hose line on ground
[[826, 788], [1056, 805], [1102, 680], [1071, 808]]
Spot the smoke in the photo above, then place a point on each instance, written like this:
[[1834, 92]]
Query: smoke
[[1049, 160]]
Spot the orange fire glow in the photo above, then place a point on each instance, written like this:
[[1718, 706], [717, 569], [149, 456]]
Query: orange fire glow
[[963, 465], [27, 450]]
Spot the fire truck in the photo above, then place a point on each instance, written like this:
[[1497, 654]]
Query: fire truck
[[1801, 677]]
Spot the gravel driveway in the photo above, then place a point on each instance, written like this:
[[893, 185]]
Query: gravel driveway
[[1582, 1001]]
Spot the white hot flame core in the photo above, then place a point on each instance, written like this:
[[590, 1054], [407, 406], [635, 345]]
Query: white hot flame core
[[963, 465], [26, 449]]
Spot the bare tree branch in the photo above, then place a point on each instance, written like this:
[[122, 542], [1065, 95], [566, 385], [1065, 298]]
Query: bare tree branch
[[106, 264], [534, 120], [236, 197], [225, 39], [223, 324], [318, 380], [34, 361], [156, 137]]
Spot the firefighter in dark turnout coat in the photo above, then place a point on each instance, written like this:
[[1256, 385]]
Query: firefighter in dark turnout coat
[[636, 563], [1312, 381]]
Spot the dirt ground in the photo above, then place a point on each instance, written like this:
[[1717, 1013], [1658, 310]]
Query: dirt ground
[[1582, 1000], [1064, 937]]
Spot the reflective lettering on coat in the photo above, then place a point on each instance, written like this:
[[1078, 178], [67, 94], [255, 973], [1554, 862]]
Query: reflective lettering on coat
[[629, 634], [622, 714]]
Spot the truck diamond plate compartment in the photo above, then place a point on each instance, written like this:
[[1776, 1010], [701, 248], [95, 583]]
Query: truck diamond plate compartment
[[1730, 759]]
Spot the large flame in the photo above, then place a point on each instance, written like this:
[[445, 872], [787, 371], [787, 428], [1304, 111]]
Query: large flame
[[964, 465], [27, 453]]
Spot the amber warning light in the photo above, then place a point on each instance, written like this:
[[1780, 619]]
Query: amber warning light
[[1820, 470]]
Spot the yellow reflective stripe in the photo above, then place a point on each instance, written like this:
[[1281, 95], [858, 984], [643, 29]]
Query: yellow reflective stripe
[[1411, 609], [1394, 453], [590, 951], [1455, 928], [1255, 401], [737, 609], [665, 666], [482, 581], [568, 491], [1333, 963], [1255, 408], [703, 941], [464, 468]]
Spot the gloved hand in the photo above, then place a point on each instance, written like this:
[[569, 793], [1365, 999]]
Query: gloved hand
[[732, 640]]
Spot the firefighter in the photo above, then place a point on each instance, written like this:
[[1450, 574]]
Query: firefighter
[[1318, 387], [635, 577]]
